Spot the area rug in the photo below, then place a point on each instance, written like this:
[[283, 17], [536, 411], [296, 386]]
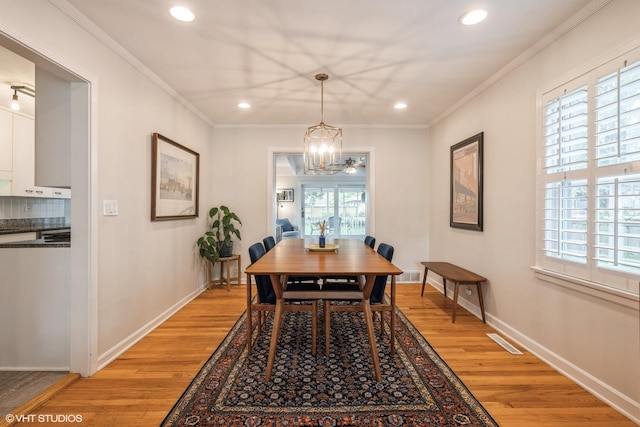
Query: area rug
[[417, 387]]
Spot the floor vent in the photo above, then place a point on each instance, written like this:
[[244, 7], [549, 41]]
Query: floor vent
[[504, 344]]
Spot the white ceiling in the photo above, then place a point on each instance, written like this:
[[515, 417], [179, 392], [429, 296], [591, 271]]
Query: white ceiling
[[376, 52]]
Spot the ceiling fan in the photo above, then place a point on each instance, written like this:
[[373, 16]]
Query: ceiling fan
[[351, 165]]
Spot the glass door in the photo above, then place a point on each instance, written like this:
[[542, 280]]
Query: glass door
[[343, 207]]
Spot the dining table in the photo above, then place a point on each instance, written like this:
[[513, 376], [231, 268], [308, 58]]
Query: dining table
[[339, 258]]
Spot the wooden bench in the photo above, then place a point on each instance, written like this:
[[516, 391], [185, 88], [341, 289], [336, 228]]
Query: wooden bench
[[458, 276]]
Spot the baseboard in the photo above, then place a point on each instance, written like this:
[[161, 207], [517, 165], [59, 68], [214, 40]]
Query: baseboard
[[115, 351], [622, 403]]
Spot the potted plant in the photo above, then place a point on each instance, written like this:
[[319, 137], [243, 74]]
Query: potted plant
[[216, 243]]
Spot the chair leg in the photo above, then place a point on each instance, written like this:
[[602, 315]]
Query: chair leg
[[314, 325], [327, 325]]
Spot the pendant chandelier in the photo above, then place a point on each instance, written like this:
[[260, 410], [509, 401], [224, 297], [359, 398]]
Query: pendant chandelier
[[322, 143]]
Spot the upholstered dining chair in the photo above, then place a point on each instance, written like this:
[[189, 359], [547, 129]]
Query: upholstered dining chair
[[269, 242], [265, 300], [371, 241], [377, 301], [307, 283], [347, 282]]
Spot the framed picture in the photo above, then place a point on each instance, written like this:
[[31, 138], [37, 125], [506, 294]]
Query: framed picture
[[466, 184], [285, 195], [175, 172]]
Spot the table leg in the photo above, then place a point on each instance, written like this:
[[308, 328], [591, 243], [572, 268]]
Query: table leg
[[228, 275], [368, 317], [480, 300], [393, 314], [455, 301], [277, 322], [424, 280], [249, 315]]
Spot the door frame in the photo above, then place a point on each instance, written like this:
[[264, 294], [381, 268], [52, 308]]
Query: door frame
[[83, 265], [271, 184]]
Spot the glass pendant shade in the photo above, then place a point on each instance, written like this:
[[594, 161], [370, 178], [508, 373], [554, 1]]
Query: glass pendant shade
[[15, 105]]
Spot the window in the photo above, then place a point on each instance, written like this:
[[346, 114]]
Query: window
[[590, 183]]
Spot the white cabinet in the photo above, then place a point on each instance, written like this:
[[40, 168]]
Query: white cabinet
[[6, 145], [23, 158], [54, 110]]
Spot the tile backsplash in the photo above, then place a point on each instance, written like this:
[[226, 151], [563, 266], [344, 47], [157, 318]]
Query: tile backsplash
[[31, 207]]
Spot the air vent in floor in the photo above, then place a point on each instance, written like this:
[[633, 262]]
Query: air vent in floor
[[504, 344]]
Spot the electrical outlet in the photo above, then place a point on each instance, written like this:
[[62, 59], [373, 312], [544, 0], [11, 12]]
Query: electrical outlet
[[467, 290]]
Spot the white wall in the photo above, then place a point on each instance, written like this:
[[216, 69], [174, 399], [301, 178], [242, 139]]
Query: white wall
[[400, 205], [595, 341], [141, 269]]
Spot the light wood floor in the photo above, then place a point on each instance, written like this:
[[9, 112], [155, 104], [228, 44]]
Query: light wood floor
[[141, 386]]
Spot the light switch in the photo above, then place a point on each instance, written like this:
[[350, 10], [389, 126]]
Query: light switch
[[110, 207]]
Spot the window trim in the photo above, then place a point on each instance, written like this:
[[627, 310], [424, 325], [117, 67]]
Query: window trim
[[614, 295]]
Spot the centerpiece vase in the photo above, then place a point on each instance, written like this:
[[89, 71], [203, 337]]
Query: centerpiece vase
[[321, 241]]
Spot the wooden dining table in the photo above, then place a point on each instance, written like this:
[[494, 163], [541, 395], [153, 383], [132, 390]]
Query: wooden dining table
[[351, 258]]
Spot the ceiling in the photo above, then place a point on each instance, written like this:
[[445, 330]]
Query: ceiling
[[267, 52], [376, 53], [16, 71]]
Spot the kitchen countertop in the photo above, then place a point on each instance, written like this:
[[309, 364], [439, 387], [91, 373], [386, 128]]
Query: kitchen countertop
[[36, 225], [38, 243], [32, 228]]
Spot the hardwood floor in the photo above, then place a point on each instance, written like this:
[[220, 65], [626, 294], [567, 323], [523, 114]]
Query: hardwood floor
[[141, 386]]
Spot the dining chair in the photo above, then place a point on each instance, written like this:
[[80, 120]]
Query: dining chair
[[265, 300], [269, 242], [347, 282], [378, 301], [371, 241], [307, 283]]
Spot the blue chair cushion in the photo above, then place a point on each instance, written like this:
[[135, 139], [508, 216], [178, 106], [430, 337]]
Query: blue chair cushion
[[285, 224]]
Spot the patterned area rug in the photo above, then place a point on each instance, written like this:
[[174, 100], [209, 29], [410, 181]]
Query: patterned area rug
[[417, 387]]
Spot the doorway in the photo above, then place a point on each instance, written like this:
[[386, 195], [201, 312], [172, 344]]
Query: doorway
[[344, 200], [80, 289]]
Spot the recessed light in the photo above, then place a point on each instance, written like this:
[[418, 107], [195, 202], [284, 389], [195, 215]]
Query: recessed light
[[181, 13], [244, 105], [473, 17], [400, 106]]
